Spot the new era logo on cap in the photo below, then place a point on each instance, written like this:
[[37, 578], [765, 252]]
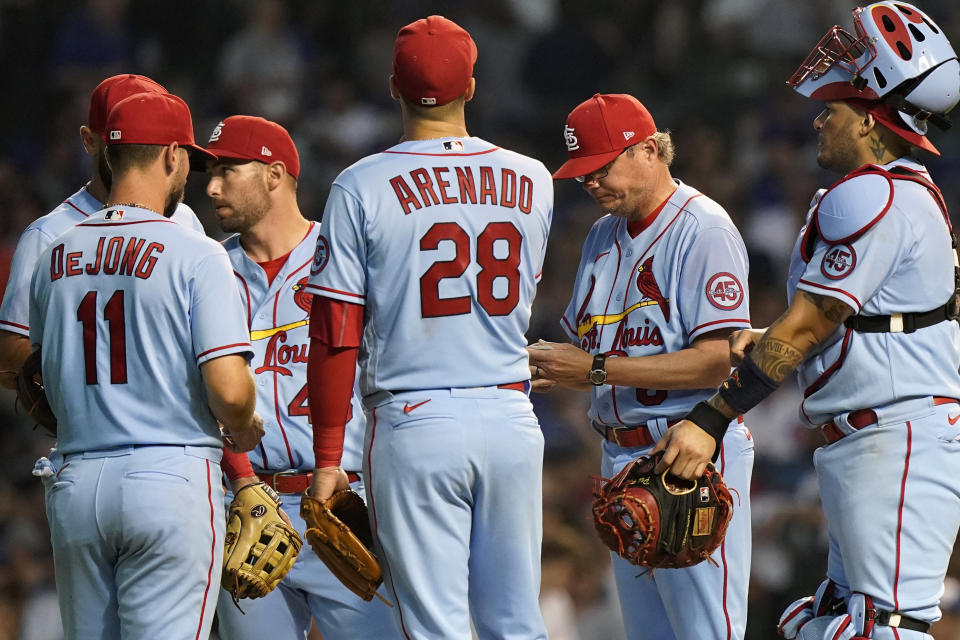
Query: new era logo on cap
[[627, 135], [115, 135], [265, 152]]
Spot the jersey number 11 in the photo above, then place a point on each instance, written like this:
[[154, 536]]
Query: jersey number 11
[[113, 313]]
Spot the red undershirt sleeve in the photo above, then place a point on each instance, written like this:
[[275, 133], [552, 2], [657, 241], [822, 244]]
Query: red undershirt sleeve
[[335, 331], [236, 465]]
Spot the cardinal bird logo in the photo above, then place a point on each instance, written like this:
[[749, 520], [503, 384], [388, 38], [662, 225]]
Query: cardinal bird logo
[[301, 296], [647, 284]]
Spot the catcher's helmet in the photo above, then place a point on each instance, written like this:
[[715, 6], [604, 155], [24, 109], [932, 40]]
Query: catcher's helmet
[[898, 55]]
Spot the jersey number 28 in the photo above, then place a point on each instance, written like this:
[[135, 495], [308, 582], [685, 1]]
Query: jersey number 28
[[491, 268]]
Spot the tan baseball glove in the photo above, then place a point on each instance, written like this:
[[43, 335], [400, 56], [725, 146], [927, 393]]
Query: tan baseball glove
[[32, 395], [259, 548], [339, 532]]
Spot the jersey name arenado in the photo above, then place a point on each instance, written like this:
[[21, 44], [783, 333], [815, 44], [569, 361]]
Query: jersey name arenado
[[443, 240]]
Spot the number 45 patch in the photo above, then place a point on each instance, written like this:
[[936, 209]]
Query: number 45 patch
[[838, 262], [724, 291]]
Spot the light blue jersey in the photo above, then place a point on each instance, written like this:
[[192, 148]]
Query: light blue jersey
[[278, 316], [655, 290], [443, 241], [900, 238], [15, 313], [126, 305]]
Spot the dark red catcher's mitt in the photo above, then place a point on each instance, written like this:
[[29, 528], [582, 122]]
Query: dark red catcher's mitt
[[660, 520]]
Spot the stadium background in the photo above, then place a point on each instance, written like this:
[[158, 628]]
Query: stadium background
[[711, 71]]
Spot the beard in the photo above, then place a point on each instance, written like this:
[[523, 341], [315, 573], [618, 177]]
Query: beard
[[246, 213], [839, 155], [174, 198]]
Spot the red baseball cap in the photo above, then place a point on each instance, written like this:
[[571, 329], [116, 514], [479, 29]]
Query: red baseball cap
[[887, 116], [113, 90], [155, 118], [253, 138], [598, 129], [433, 61]]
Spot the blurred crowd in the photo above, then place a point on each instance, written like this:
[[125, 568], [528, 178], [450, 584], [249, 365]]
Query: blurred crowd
[[710, 71]]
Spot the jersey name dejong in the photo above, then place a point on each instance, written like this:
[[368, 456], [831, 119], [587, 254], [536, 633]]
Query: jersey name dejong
[[137, 258], [423, 187]]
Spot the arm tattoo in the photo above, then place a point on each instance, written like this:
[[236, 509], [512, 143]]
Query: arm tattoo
[[721, 405], [776, 358], [832, 309], [877, 147]]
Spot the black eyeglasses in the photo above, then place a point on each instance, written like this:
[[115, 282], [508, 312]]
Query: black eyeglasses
[[600, 173]]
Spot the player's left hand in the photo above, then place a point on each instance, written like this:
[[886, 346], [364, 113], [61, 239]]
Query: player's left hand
[[326, 481], [564, 364], [687, 450], [539, 383]]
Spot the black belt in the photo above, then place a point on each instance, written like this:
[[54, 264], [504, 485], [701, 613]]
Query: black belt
[[897, 619], [906, 322]]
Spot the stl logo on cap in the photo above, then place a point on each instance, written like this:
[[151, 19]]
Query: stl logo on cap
[[217, 130], [572, 143]]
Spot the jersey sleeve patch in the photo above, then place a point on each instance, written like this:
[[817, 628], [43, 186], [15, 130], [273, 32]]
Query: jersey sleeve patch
[[321, 256], [852, 206], [838, 262], [724, 291]]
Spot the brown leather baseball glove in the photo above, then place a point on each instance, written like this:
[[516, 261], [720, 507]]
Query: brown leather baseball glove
[[32, 396], [339, 532], [660, 520], [259, 548]]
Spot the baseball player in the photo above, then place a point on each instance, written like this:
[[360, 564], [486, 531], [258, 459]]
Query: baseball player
[[144, 351], [253, 188], [661, 284], [14, 312], [427, 264], [870, 330]]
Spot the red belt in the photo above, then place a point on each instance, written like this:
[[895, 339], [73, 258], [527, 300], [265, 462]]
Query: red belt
[[288, 482], [864, 418], [516, 386], [639, 436]]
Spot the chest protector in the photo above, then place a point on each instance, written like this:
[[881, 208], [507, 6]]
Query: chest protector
[[869, 191]]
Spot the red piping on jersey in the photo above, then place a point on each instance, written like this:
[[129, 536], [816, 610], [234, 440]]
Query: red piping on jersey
[[723, 553], [822, 380], [276, 392], [707, 324], [376, 524], [903, 491], [226, 346], [213, 549], [600, 255], [823, 286], [97, 223], [343, 293], [246, 290], [85, 214], [14, 324], [443, 155]]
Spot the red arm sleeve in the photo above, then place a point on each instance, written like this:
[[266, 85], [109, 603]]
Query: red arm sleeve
[[235, 465], [335, 331]]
